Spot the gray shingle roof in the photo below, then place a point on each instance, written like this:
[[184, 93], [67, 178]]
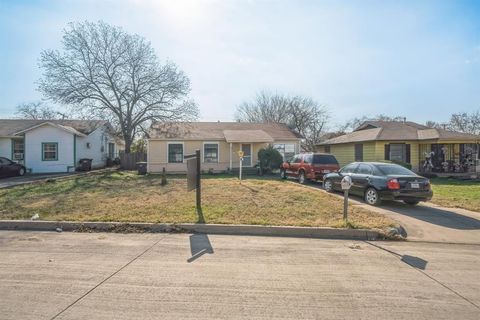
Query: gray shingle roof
[[398, 131], [216, 130], [8, 127]]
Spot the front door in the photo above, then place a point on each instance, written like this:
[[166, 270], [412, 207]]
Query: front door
[[247, 155], [111, 150]]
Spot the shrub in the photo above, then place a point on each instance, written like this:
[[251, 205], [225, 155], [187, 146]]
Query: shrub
[[269, 159]]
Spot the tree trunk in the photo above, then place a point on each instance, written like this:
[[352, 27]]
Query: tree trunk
[[128, 145]]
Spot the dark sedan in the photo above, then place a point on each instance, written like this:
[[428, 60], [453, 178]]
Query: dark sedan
[[8, 168], [377, 181]]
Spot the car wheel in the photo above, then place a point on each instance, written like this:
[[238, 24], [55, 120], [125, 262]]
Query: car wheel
[[301, 177], [327, 185], [21, 172], [372, 197], [411, 202], [283, 174]]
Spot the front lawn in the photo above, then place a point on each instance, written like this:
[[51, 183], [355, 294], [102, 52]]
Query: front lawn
[[127, 197], [456, 193]]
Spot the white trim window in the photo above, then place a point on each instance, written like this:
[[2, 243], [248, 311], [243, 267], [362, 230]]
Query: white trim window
[[287, 150], [175, 152], [210, 152]]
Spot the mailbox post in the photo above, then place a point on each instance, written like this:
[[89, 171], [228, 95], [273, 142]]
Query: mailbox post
[[194, 177], [240, 155], [346, 185]]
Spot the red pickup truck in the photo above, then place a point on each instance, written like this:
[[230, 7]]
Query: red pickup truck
[[311, 166]]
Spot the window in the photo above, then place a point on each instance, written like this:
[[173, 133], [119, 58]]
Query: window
[[324, 159], [5, 161], [327, 149], [175, 153], [49, 151], [297, 159], [398, 152], [359, 152], [17, 150], [364, 169], [308, 158], [287, 150], [349, 168], [388, 169], [210, 152]]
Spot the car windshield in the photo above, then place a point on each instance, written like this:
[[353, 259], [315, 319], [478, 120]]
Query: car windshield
[[324, 159], [394, 169]]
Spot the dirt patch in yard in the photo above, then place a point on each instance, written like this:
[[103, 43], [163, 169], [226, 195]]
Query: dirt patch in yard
[[127, 197]]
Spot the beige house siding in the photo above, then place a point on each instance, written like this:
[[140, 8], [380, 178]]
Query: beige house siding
[[157, 155]]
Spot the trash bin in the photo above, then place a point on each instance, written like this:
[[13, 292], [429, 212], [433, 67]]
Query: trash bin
[[85, 164], [142, 168]]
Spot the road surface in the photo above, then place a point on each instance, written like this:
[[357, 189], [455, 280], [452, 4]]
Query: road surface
[[46, 275]]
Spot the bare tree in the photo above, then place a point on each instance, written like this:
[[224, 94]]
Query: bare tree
[[303, 114], [354, 123], [38, 111], [115, 75], [465, 122]]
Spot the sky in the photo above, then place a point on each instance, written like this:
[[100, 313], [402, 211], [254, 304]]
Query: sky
[[416, 59]]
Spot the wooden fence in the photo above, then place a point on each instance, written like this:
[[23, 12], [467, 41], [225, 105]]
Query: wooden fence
[[128, 161]]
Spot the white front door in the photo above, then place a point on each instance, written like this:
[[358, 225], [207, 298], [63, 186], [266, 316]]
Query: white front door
[[247, 155]]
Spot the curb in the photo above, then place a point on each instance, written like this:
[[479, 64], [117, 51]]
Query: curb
[[251, 230]]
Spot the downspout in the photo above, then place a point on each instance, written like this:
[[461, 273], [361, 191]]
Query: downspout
[[74, 151]]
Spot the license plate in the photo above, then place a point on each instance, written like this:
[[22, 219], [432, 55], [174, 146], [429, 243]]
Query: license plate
[[414, 185]]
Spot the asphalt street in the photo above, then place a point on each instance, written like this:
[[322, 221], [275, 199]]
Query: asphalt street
[[46, 275]]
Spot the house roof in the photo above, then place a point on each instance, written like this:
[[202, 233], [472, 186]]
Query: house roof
[[12, 127], [398, 131], [230, 131], [247, 136]]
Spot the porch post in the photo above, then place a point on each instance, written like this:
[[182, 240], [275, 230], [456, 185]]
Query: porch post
[[230, 156]]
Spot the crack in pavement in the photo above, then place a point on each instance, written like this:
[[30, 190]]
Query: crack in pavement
[[423, 272], [107, 278]]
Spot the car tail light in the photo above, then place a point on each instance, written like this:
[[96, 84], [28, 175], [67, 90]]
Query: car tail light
[[393, 184]]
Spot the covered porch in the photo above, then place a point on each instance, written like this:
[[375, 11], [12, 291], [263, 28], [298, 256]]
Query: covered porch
[[449, 158]]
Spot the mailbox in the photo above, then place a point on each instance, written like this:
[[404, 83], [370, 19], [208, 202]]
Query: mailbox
[[346, 183]]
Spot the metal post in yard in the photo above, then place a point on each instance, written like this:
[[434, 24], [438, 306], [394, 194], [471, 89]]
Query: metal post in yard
[[198, 184], [240, 172], [345, 205]]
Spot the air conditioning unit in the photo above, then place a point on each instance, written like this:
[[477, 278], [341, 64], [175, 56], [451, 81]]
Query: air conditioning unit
[[17, 156]]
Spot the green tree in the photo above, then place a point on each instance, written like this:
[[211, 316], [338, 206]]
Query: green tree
[[270, 159]]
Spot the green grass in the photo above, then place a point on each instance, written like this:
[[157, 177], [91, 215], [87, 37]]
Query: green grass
[[127, 197], [456, 193]]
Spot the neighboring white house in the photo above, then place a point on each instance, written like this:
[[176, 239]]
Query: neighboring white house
[[57, 145]]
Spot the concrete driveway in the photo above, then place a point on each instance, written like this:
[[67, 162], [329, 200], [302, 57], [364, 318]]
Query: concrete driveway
[[29, 178], [427, 221], [181, 276]]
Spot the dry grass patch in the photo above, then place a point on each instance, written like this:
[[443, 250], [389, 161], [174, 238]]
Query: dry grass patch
[[126, 197]]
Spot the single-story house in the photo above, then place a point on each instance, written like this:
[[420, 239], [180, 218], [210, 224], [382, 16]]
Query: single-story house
[[425, 148], [218, 142], [45, 146]]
